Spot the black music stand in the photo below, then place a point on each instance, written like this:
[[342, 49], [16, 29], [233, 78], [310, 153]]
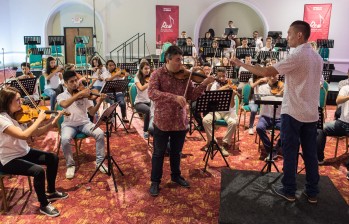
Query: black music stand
[[275, 101], [32, 40], [28, 84], [106, 117], [245, 76], [181, 42], [192, 123], [327, 74], [204, 42], [242, 52], [231, 31], [325, 43], [230, 71], [212, 52], [41, 51], [263, 55], [224, 43], [214, 101], [54, 41], [281, 78], [113, 87]]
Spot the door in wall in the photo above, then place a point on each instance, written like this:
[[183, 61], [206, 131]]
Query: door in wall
[[70, 33]]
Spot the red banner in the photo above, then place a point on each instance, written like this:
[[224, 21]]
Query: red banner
[[318, 16], [167, 18]]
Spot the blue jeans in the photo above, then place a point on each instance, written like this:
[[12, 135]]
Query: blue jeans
[[333, 128], [69, 132], [254, 108], [53, 96], [160, 144], [30, 165], [120, 99], [293, 133], [265, 123], [144, 108]]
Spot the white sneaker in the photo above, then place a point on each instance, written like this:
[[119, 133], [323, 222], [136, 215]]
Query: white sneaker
[[250, 131], [70, 172], [103, 168]]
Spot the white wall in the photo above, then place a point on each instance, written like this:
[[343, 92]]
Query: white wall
[[124, 18]]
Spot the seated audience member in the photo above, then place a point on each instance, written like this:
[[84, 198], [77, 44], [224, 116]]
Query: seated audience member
[[18, 158], [338, 127], [78, 105], [229, 116], [266, 116]]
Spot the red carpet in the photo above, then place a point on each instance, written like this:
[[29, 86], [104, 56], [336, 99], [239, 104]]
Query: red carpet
[[97, 202]]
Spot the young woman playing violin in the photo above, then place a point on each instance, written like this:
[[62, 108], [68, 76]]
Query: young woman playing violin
[[17, 158], [53, 77], [25, 66], [99, 74], [142, 102], [116, 74]]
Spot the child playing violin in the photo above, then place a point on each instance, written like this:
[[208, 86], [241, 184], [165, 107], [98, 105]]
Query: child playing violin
[[17, 158], [53, 77], [76, 103]]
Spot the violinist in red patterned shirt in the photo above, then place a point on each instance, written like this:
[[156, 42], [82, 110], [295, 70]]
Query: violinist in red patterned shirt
[[167, 92]]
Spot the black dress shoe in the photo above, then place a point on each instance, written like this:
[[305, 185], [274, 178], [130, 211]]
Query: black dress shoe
[[154, 189], [181, 181]]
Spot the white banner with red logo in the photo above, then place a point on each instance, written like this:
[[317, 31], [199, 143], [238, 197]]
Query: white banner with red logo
[[167, 18], [318, 16]]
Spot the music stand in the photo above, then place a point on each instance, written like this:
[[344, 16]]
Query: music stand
[[181, 42], [242, 52], [28, 84], [41, 51], [214, 101], [204, 42], [224, 43], [32, 40], [230, 71], [281, 78], [263, 55], [212, 52], [325, 43], [192, 123], [56, 41], [327, 74], [231, 31], [275, 101], [106, 116], [113, 87], [245, 76]]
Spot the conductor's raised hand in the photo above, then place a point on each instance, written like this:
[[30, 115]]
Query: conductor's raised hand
[[181, 101]]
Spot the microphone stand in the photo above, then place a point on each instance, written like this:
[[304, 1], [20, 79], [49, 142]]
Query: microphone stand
[[3, 62]]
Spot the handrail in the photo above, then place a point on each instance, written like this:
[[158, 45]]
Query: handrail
[[129, 43]]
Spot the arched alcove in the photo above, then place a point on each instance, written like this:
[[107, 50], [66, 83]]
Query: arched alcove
[[62, 16], [245, 16]]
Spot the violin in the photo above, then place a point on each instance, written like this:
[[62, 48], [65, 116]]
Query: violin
[[197, 75], [228, 84], [122, 72], [277, 88], [94, 94], [27, 113]]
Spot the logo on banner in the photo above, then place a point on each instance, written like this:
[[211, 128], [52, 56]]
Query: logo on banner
[[167, 27]]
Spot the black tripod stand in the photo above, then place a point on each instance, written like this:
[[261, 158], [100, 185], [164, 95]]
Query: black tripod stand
[[192, 123], [214, 101], [106, 116], [275, 101], [113, 87]]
